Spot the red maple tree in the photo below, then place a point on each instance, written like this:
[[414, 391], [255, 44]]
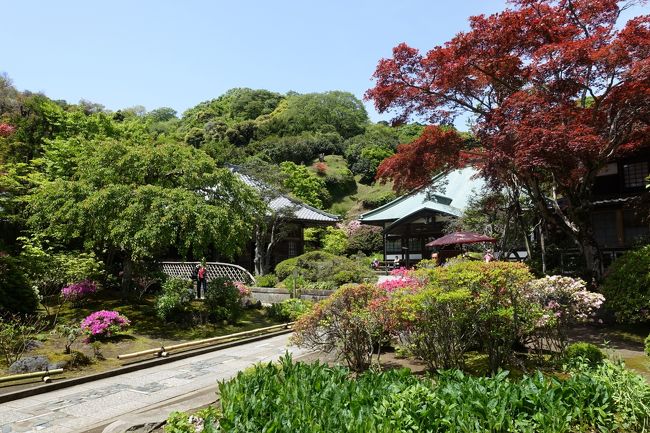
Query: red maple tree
[[555, 91]]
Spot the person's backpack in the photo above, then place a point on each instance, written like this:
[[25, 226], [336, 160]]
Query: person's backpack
[[195, 272]]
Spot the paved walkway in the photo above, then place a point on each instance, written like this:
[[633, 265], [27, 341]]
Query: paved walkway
[[84, 407]]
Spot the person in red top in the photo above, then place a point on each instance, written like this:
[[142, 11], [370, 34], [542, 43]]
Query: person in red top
[[201, 275]]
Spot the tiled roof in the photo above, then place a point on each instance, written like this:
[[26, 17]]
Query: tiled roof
[[450, 197], [300, 210]]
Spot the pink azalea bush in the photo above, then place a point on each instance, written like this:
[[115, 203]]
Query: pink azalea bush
[[244, 290], [77, 291], [104, 323], [6, 129], [404, 280]]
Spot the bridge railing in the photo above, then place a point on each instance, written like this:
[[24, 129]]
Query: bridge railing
[[214, 270]]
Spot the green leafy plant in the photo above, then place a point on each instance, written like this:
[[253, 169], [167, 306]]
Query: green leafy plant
[[223, 300], [290, 396], [584, 352], [268, 280], [647, 345], [627, 286], [70, 332], [204, 420], [16, 332], [289, 310], [174, 301]]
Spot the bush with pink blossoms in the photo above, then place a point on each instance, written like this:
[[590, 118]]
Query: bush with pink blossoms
[[6, 129], [102, 324], [77, 291], [403, 279], [244, 290], [563, 302]]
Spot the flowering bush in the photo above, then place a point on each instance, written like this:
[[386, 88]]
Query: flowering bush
[[344, 323], [102, 324], [244, 290], [77, 291], [563, 301], [321, 168], [404, 280], [6, 129]]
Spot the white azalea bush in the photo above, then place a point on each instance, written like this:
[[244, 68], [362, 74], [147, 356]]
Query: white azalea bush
[[563, 302]]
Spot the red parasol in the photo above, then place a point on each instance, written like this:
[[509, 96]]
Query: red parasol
[[460, 238]]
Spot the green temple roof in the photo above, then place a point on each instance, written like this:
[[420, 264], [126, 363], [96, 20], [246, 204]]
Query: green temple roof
[[447, 194]]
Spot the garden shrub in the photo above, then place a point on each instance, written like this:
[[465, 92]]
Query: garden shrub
[[584, 352], [335, 241], [78, 291], [560, 302], [204, 420], [17, 334], [344, 323], [501, 315], [290, 397], [50, 271], [319, 266], [289, 310], [627, 287], [441, 326], [223, 300], [174, 301], [103, 324], [16, 293], [647, 345], [377, 200], [365, 238], [268, 280]]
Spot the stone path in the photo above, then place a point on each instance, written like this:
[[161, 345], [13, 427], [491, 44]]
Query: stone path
[[84, 407]]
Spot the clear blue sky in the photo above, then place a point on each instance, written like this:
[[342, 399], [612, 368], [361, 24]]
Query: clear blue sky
[[178, 53]]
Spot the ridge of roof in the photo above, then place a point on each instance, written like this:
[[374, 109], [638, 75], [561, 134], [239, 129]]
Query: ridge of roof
[[299, 213], [453, 201]]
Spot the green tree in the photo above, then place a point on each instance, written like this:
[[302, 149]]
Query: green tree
[[304, 184], [337, 111], [138, 200]]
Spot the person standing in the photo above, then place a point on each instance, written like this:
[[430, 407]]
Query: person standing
[[201, 280]]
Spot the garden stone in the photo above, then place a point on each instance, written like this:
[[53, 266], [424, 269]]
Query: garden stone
[[29, 364], [33, 344]]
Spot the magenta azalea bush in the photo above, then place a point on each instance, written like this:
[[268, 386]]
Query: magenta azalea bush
[[75, 292], [101, 324], [403, 279]]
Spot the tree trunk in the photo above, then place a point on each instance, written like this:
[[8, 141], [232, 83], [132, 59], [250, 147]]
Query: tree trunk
[[127, 272]]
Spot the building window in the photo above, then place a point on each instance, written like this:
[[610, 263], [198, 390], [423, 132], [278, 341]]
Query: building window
[[634, 229], [605, 229], [415, 245], [393, 245], [634, 174], [292, 248]]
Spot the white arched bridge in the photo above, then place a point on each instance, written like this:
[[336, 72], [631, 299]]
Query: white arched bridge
[[214, 269]]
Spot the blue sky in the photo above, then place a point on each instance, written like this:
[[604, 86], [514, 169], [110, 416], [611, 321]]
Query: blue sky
[[179, 53]]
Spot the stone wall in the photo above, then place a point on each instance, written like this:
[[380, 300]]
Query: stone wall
[[272, 295]]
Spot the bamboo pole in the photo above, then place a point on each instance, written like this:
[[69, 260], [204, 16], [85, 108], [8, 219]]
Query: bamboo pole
[[162, 350], [28, 375]]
